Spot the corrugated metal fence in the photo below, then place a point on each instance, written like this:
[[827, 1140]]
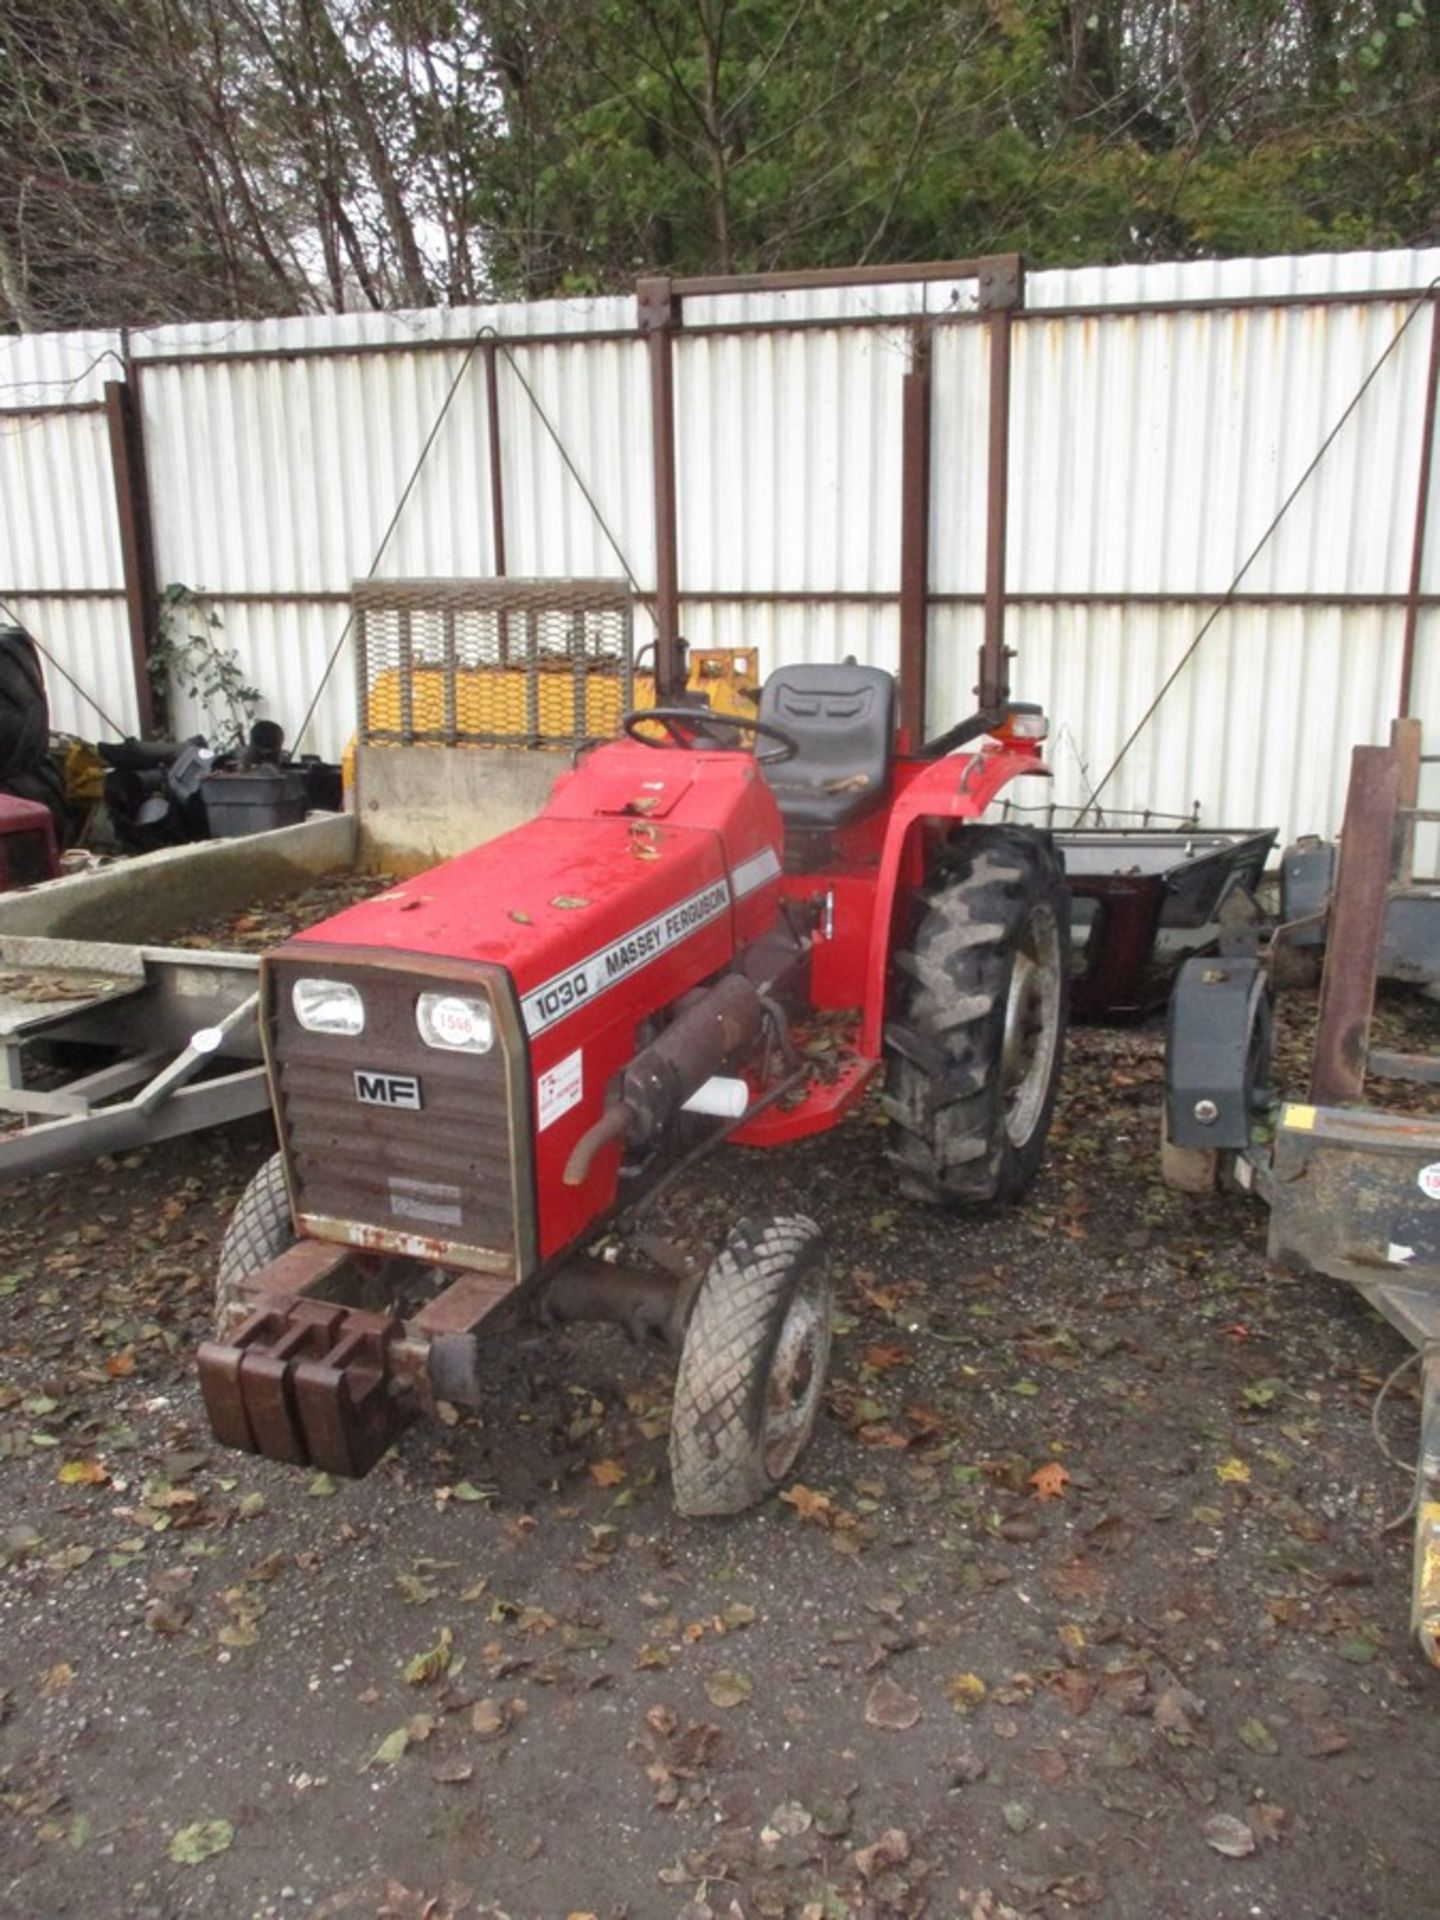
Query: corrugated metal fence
[[1160, 416]]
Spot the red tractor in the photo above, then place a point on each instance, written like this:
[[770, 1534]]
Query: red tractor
[[477, 1074]]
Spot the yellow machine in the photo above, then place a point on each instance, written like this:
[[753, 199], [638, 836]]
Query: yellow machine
[[497, 699]]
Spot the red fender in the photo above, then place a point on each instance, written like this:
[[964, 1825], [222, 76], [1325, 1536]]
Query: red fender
[[954, 788]]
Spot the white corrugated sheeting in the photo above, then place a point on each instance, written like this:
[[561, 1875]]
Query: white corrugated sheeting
[[363, 332], [58, 369], [58, 527], [283, 651], [276, 476], [1148, 453], [1257, 729], [1262, 277], [789, 460], [599, 520], [88, 641], [58, 524]]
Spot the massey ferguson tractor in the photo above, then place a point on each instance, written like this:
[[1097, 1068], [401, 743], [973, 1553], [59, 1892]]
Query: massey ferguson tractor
[[483, 1073]]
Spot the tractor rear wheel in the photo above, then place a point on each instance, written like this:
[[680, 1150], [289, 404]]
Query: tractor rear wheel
[[24, 711], [977, 1032], [260, 1230], [752, 1369]]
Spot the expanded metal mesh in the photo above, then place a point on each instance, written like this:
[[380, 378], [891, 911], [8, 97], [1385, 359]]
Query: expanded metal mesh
[[524, 663]]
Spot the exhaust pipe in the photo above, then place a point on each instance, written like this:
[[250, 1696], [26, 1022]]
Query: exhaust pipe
[[722, 1026]]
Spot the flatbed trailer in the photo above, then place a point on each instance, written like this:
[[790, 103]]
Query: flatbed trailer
[[164, 1035]]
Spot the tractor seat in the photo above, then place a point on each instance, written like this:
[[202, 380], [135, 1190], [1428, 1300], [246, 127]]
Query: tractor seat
[[844, 720]]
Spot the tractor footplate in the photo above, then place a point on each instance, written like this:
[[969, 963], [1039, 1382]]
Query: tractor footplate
[[304, 1382]]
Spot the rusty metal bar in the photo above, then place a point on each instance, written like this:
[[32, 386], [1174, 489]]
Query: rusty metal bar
[[819, 596], [1357, 927], [51, 409], [137, 544], [1405, 739], [797, 279], [1226, 303], [915, 537], [994, 685], [1388, 296], [657, 320], [1422, 513], [497, 471]]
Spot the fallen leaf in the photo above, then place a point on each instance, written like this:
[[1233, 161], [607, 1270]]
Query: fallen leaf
[[1258, 1737], [1229, 1836], [488, 1719], [1018, 1815], [82, 1473], [966, 1691], [1178, 1712], [727, 1687], [606, 1473], [391, 1748], [888, 1705], [194, 1844], [119, 1365], [1234, 1472], [892, 1849], [1049, 1481], [809, 1504], [428, 1666]]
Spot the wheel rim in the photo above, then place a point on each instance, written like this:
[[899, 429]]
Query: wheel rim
[[797, 1376], [1032, 1025]]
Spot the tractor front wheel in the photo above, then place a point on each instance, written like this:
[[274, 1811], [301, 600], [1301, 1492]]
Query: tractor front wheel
[[977, 1028], [752, 1369], [260, 1230]]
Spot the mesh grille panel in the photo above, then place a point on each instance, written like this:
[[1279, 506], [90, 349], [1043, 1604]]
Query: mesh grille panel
[[492, 662]]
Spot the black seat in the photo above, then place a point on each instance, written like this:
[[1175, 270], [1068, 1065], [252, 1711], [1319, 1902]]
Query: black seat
[[844, 719]]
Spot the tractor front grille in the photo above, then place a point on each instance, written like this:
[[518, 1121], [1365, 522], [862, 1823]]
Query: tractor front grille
[[448, 1179]]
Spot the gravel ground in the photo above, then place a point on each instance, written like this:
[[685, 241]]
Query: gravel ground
[[1080, 1603]]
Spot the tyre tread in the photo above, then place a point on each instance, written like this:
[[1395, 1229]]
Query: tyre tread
[[714, 1463]]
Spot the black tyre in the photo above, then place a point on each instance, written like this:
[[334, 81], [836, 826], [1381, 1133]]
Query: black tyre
[[752, 1369], [260, 1230], [24, 710], [977, 1032]]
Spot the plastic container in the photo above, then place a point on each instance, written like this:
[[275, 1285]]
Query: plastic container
[[254, 801]]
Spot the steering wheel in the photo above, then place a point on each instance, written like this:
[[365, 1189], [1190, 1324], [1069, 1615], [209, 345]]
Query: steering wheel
[[682, 725]]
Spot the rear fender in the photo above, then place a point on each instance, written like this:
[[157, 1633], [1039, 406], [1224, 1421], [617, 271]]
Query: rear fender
[[928, 792]]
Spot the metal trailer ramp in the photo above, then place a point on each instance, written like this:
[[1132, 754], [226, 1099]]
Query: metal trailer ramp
[[166, 1017]]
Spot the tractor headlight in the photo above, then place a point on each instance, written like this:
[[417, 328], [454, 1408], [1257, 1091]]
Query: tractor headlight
[[458, 1024], [328, 1006]]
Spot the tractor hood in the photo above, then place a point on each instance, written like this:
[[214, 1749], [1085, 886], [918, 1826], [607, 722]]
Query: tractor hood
[[546, 900], [637, 855]]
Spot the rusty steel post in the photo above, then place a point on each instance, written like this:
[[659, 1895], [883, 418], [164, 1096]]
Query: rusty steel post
[[1001, 291], [137, 545], [915, 537], [1357, 927], [497, 471], [1422, 514], [1405, 740], [658, 314]]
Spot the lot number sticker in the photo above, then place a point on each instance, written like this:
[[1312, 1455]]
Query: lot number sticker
[[1428, 1179], [560, 1088]]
